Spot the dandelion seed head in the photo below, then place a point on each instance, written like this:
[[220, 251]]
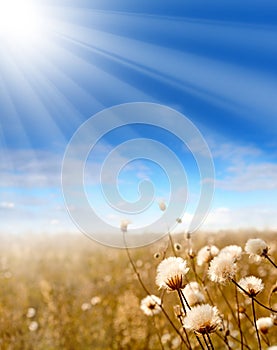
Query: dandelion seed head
[[256, 247], [175, 343], [162, 205], [202, 319], [171, 273], [31, 312], [222, 269], [234, 250], [124, 225], [165, 338], [264, 324], [95, 300], [151, 305], [85, 306], [193, 294], [157, 255], [177, 247], [179, 312], [252, 285], [33, 326], [206, 254]]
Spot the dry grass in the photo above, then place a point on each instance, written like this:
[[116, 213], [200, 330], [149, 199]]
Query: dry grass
[[59, 276]]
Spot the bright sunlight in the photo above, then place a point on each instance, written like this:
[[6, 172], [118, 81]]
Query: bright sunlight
[[20, 22]]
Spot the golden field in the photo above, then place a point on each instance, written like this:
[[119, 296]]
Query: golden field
[[67, 292]]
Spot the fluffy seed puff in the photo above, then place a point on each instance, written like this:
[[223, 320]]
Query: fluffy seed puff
[[124, 225], [206, 254], [251, 285], [193, 294], [202, 319], [171, 273], [222, 269], [264, 324], [256, 248], [151, 305], [234, 250]]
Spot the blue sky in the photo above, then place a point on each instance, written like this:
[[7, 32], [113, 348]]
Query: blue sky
[[214, 62]]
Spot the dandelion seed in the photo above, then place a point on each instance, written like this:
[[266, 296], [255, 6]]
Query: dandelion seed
[[162, 205], [256, 248], [124, 225], [193, 294], [165, 338], [31, 312], [264, 324], [202, 319], [107, 278], [171, 273], [175, 343], [234, 250], [179, 220], [33, 326], [95, 300], [206, 254], [151, 305], [157, 255], [178, 311], [139, 263], [222, 269], [177, 246], [85, 306], [252, 285]]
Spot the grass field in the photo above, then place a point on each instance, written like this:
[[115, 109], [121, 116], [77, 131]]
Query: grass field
[[67, 292]]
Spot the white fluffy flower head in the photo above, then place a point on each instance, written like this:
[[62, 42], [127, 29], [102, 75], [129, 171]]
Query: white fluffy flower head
[[256, 247], [124, 225], [222, 269], [252, 285], [234, 250], [151, 305], [264, 324], [192, 293], [171, 273], [202, 319], [162, 205], [206, 254]]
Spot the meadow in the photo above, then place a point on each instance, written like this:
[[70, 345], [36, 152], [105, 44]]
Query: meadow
[[68, 292]]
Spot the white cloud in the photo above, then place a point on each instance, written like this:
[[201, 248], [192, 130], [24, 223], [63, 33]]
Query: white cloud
[[7, 205], [249, 177], [240, 218]]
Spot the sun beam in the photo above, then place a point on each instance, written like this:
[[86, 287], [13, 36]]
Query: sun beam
[[20, 22]]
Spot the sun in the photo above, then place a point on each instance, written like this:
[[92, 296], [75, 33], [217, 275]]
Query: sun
[[20, 22]]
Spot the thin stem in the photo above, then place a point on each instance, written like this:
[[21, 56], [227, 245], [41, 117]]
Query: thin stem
[[225, 339], [182, 294], [210, 341], [182, 299], [256, 328], [239, 325], [270, 260], [205, 340], [158, 333], [184, 309], [186, 334], [171, 243], [227, 302]]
